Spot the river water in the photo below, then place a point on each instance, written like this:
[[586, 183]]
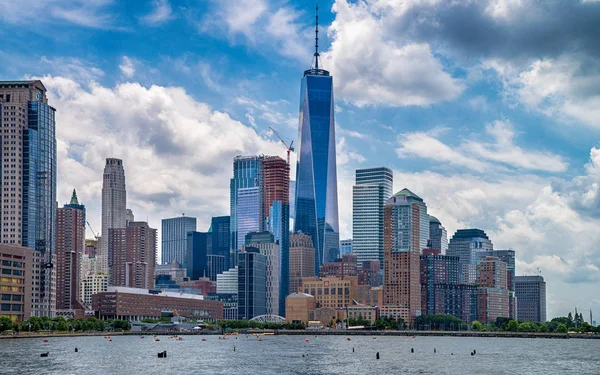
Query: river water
[[294, 355]]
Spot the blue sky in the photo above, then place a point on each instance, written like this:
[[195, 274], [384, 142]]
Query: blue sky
[[486, 109]]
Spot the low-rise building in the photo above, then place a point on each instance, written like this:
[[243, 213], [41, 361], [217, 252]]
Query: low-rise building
[[362, 312], [298, 307], [15, 282], [136, 304]]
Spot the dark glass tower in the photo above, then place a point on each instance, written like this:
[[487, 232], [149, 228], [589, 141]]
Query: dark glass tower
[[316, 175]]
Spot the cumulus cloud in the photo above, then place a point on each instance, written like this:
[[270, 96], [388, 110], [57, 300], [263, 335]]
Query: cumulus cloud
[[479, 155], [373, 68], [126, 67], [177, 152], [346, 155]]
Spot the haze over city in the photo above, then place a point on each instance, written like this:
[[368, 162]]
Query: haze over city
[[487, 110]]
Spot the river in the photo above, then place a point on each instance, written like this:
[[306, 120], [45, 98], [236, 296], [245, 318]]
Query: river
[[294, 355]]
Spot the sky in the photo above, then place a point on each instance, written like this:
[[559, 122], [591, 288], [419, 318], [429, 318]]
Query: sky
[[487, 109]]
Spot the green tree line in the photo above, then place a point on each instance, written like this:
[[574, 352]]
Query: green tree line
[[60, 324]]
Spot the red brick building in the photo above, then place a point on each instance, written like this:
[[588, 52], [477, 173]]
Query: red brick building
[[133, 255], [137, 304]]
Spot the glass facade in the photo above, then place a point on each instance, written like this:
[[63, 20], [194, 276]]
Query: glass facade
[[467, 244], [174, 239], [252, 284], [372, 189], [248, 216], [221, 238], [316, 207], [198, 249], [247, 173]]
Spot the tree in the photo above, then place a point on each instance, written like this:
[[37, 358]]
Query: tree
[[561, 328], [5, 324], [476, 326], [512, 326], [544, 328], [527, 327]]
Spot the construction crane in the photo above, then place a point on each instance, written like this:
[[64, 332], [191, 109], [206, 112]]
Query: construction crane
[[92, 230], [289, 147]]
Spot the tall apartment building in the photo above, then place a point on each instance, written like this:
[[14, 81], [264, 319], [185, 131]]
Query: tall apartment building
[[174, 239], [16, 280], [508, 257], [70, 241], [342, 267], [406, 231], [91, 284], [28, 171], [493, 294], [531, 298], [277, 211], [438, 235], [265, 243], [467, 244], [252, 283], [302, 260], [114, 207], [133, 255], [373, 187]]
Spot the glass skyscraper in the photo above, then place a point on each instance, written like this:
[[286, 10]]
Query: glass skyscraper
[[221, 238], [316, 207], [247, 173], [372, 189], [248, 213], [467, 244], [174, 239]]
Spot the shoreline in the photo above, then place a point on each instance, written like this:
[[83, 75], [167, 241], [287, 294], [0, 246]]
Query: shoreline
[[529, 335]]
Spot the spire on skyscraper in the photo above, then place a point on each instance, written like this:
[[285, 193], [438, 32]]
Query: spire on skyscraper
[[74, 199], [317, 38]]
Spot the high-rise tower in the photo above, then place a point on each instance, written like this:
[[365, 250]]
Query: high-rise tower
[[28, 171], [316, 207], [372, 189], [174, 239], [114, 200]]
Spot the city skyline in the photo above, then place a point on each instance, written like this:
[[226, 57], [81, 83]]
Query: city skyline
[[531, 190]]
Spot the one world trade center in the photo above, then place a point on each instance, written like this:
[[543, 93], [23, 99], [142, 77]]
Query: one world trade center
[[316, 175]]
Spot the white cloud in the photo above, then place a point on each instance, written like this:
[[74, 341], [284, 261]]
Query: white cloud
[[161, 13], [344, 155], [177, 152], [71, 67], [127, 67], [271, 112], [373, 68], [479, 154]]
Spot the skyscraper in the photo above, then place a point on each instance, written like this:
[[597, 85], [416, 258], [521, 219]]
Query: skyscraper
[[493, 296], [406, 230], [174, 239], [114, 206], [373, 187], [133, 255], [265, 243], [28, 172], [302, 260], [316, 175], [466, 244], [277, 210], [70, 240], [247, 173], [531, 298], [438, 235], [252, 283], [221, 238], [198, 246]]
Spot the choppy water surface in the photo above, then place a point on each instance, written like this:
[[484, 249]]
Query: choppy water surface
[[284, 355]]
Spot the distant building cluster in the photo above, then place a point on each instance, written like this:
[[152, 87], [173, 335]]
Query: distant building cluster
[[249, 264]]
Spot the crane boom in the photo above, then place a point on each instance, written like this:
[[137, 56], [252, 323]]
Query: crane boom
[[90, 226], [289, 147]]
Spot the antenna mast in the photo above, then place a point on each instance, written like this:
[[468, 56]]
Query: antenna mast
[[317, 39]]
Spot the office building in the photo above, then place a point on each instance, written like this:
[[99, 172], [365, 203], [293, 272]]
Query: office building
[[227, 282], [531, 298], [252, 283], [265, 243], [508, 257], [129, 217], [247, 174], [302, 260], [341, 267], [16, 280], [216, 265], [138, 303], [277, 211], [345, 247], [438, 272], [330, 292], [199, 247], [438, 235], [406, 231], [174, 270], [466, 244], [70, 241], [28, 173], [493, 298], [373, 187], [133, 255], [174, 239], [114, 207], [221, 238], [316, 207]]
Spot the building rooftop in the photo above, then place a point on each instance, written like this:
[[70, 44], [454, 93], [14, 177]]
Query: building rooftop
[[433, 219], [407, 193], [465, 234], [300, 295]]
